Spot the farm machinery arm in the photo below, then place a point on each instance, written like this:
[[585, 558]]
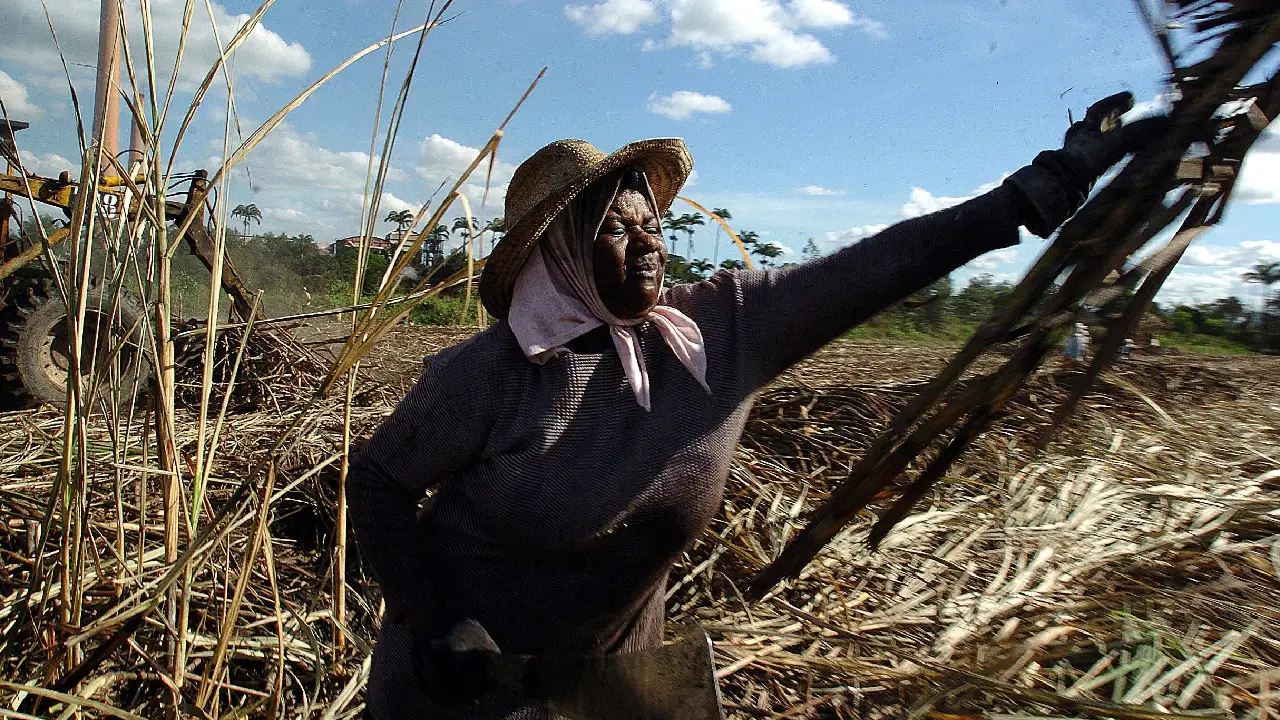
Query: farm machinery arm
[[60, 193]]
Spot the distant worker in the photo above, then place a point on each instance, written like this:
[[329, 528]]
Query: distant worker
[[578, 446], [1126, 350], [1078, 344], [307, 294]]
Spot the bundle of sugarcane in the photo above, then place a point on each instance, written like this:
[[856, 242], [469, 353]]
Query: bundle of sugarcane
[[1212, 48], [252, 368]]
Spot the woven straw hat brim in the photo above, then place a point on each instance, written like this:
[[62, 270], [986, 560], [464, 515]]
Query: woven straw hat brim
[[666, 163]]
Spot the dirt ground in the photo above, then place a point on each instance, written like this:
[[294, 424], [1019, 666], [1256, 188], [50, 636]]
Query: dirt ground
[[1146, 536], [1152, 514], [398, 360], [399, 356]]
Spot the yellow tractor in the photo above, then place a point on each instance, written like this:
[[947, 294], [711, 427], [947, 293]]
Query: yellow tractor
[[35, 355]]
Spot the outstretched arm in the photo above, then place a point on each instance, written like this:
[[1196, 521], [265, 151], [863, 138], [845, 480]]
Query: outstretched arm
[[791, 312]]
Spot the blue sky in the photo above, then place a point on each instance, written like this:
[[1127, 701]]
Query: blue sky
[[806, 118]]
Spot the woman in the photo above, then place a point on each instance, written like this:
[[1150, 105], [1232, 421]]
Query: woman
[[581, 443], [1078, 344]]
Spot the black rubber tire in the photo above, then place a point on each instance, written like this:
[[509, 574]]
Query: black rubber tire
[[33, 344]]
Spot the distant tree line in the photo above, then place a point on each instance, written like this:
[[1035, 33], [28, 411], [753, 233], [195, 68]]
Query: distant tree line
[[1254, 325], [296, 274], [686, 268]]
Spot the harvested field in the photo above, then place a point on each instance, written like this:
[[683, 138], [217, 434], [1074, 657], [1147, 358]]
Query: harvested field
[[1129, 571]]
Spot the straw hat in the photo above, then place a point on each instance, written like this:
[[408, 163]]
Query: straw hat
[[544, 184]]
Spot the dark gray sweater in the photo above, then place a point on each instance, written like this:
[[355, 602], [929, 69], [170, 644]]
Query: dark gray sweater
[[560, 505]]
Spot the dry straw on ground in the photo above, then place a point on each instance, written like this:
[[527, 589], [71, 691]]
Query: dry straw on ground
[[186, 555], [1131, 570], [1132, 566]]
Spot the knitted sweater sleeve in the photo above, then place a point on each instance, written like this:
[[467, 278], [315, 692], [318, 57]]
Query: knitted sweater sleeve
[[788, 313], [418, 447]]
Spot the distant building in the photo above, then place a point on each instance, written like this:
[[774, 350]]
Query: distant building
[[383, 246]]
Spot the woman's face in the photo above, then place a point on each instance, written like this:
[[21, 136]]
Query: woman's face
[[629, 256]]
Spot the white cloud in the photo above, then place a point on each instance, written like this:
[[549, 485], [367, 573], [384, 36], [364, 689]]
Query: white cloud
[[818, 190], [16, 101], [1262, 250], [47, 164], [1210, 256], [684, 104], [1197, 287], [286, 215], [289, 158], [821, 13], [693, 179], [304, 187], [834, 240], [992, 260], [441, 160], [1260, 175], [1239, 258], [765, 30], [1209, 272], [264, 55], [613, 17], [923, 202], [920, 202], [789, 50], [391, 203]]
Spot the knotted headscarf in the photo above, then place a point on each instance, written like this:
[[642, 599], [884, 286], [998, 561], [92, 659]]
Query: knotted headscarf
[[555, 298]]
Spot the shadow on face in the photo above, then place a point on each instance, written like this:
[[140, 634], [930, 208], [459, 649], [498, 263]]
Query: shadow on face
[[629, 254]]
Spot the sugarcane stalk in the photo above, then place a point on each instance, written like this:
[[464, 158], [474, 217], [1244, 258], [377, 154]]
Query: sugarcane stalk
[[1095, 245]]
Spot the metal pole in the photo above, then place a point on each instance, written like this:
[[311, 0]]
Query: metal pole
[[136, 150], [106, 104]]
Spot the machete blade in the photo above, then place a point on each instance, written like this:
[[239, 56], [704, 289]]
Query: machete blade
[[672, 682]]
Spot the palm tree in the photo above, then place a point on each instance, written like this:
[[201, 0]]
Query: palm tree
[[673, 224], [766, 252], [1266, 275], [700, 267], [402, 219], [749, 238], [247, 213], [688, 222], [723, 214], [498, 226], [464, 225], [434, 243]]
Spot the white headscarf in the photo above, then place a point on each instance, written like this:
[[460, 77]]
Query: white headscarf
[[555, 298]]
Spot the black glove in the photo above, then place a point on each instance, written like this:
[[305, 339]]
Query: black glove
[[1058, 182], [453, 668]]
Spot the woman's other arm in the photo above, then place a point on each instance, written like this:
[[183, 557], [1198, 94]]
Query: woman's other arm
[[419, 446]]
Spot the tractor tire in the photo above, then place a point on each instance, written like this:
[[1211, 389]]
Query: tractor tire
[[35, 354]]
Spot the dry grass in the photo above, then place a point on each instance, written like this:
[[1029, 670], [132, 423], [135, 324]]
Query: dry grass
[[1135, 563], [183, 555], [134, 502]]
